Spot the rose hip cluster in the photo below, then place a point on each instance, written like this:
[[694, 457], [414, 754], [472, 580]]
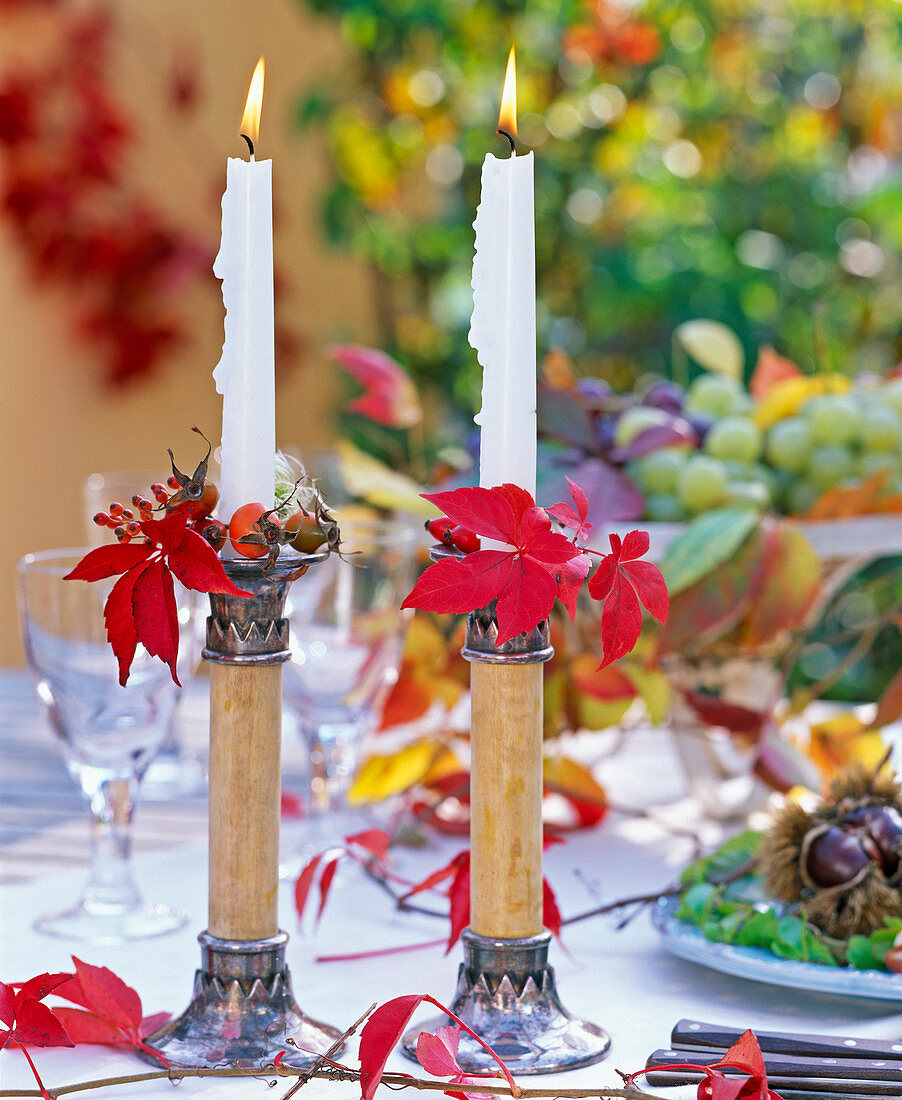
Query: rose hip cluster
[[254, 530]]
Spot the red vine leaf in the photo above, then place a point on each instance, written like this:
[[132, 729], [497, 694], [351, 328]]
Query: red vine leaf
[[570, 581], [36, 1025], [141, 605], [384, 1029], [379, 1037], [304, 882], [744, 1055], [623, 582], [573, 516], [437, 1053], [524, 579], [325, 885], [156, 617], [113, 1012]]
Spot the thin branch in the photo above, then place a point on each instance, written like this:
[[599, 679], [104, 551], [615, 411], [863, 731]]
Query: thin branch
[[392, 1080], [330, 1053]]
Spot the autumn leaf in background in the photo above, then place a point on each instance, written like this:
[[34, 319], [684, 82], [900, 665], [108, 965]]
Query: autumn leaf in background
[[389, 396], [541, 566], [141, 604], [432, 670]]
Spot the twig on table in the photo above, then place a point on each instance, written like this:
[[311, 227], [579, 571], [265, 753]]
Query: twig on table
[[326, 1058], [392, 1080], [641, 900], [371, 868]]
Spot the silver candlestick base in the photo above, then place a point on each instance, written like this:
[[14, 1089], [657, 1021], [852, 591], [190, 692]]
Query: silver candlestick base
[[506, 993], [505, 988], [242, 1011]]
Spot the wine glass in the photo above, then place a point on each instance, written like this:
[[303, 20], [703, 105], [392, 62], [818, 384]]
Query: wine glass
[[108, 736], [175, 771], [347, 634]]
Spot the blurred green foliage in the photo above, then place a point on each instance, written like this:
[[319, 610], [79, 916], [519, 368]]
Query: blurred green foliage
[[732, 159]]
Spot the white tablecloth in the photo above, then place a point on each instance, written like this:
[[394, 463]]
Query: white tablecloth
[[622, 980]]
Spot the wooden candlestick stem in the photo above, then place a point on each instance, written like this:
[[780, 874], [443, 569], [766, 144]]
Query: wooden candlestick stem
[[506, 800], [245, 793]]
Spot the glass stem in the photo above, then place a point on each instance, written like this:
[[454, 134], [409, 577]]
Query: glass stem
[[334, 750], [110, 886]]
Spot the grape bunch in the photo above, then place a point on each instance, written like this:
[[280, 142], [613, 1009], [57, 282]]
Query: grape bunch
[[745, 453]]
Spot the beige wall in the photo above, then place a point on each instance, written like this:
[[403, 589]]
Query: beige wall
[[58, 421]]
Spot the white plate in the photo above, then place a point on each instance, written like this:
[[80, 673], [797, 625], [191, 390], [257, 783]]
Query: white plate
[[760, 965]]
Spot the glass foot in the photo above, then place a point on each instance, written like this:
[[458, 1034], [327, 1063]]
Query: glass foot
[[111, 925], [172, 776]]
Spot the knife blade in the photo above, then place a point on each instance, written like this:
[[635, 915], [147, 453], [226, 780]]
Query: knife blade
[[695, 1033]]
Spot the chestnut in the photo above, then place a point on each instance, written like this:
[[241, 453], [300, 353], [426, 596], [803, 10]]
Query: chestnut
[[833, 857], [883, 824]]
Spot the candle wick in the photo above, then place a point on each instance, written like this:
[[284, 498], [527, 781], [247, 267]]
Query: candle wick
[[250, 145], [504, 133]]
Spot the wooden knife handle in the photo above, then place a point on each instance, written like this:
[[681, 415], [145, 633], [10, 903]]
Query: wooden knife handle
[[796, 1087], [791, 1065], [695, 1033]]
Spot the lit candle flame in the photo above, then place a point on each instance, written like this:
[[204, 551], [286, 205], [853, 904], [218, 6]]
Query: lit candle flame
[[250, 120], [507, 117]]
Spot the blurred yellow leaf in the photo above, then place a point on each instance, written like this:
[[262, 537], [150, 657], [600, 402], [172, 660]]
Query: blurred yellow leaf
[[381, 776], [653, 688], [712, 345], [787, 397], [367, 477], [843, 740], [576, 783]]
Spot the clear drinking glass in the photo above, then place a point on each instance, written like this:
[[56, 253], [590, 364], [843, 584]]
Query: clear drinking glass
[[175, 771], [347, 635], [108, 736]]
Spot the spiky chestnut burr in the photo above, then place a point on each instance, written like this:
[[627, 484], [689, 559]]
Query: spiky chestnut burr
[[841, 863]]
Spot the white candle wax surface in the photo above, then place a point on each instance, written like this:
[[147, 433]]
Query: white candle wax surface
[[503, 325], [245, 374]]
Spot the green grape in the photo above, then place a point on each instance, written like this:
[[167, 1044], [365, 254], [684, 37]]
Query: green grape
[[828, 465], [661, 508], [799, 496], [755, 493], [701, 483], [875, 462], [834, 418], [714, 394], [735, 438], [882, 430], [789, 444], [657, 472], [634, 420]]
